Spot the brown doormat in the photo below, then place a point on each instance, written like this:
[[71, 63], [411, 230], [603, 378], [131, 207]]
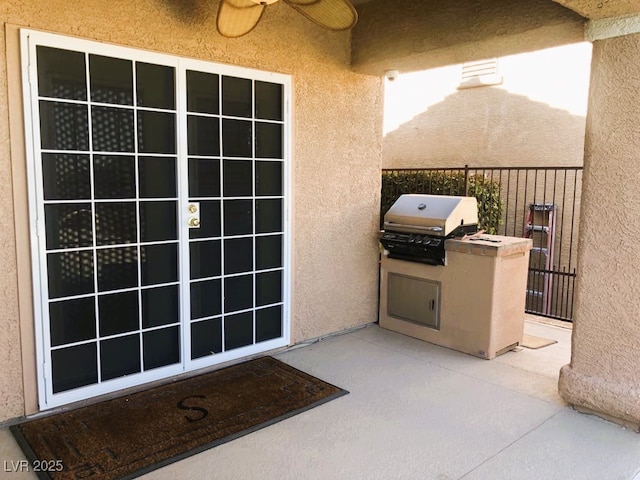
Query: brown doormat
[[533, 342], [128, 436]]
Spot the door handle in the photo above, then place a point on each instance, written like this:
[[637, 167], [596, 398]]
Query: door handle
[[193, 209]]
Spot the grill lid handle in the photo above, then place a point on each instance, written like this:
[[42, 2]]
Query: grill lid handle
[[414, 227]]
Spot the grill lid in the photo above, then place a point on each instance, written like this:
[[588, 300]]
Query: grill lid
[[437, 215]]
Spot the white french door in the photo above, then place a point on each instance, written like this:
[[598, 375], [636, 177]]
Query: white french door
[[159, 191]]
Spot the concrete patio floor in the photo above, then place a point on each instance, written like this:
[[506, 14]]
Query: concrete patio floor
[[419, 411]]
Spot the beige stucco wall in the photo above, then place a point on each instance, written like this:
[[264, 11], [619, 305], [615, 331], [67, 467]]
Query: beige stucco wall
[[11, 379], [603, 374], [534, 117], [337, 122]]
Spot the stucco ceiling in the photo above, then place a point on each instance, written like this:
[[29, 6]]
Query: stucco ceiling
[[592, 9], [412, 35]]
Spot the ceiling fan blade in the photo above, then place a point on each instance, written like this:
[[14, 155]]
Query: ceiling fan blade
[[304, 2], [331, 14], [238, 17]]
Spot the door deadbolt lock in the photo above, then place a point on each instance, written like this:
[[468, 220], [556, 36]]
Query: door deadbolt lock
[[193, 221]]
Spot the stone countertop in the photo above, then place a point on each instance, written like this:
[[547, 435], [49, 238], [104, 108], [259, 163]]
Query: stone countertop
[[489, 245]]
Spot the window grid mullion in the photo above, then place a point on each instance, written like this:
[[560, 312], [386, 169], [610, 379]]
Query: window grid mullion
[[136, 143], [94, 223]]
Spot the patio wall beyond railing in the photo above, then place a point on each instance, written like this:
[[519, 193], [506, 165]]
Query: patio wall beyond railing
[[542, 203]]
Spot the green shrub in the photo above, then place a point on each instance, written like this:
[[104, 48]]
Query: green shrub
[[487, 192]]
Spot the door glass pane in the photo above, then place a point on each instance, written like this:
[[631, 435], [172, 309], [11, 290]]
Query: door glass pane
[[269, 140], [155, 86], [157, 177], [206, 299], [238, 293], [202, 92], [61, 73], [114, 176], [204, 258], [72, 320], [161, 347], [238, 217], [236, 138], [269, 179], [66, 176], [206, 338], [159, 263], [119, 356], [268, 323], [64, 126], [238, 255], [268, 216], [118, 313], [269, 101], [112, 129], [111, 80], [268, 288], [156, 132], [238, 175], [269, 252], [238, 330], [117, 268], [203, 135], [74, 367], [160, 306], [70, 273], [116, 223], [68, 225], [236, 97], [158, 221], [204, 178]]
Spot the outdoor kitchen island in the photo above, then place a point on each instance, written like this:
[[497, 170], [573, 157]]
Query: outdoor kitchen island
[[474, 303]]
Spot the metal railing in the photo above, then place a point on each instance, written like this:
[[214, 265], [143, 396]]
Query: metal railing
[[542, 203]]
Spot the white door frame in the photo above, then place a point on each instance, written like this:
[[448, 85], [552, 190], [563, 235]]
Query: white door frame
[[29, 40]]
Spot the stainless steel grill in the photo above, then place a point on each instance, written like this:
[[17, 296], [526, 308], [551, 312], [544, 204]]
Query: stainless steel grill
[[416, 226]]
